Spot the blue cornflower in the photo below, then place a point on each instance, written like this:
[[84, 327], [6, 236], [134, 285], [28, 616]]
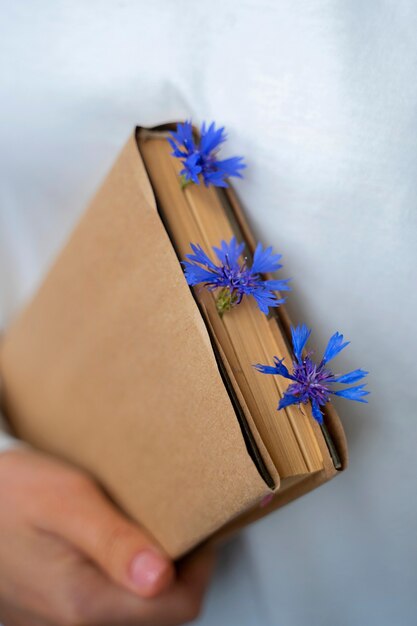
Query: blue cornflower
[[314, 382], [202, 158], [234, 278]]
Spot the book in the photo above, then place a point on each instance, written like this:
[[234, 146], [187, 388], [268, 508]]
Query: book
[[119, 367]]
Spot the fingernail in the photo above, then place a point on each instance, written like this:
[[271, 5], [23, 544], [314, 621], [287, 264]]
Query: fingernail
[[146, 569]]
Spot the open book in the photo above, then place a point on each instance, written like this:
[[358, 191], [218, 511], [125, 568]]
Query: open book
[[119, 367]]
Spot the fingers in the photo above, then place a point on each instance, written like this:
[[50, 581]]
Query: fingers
[[183, 602], [121, 548], [90, 598], [69, 557], [196, 569], [14, 616], [68, 590], [98, 601]]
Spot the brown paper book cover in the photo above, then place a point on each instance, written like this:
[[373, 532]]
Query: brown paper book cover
[[119, 367]]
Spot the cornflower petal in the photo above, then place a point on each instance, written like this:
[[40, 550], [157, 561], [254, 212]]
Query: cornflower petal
[[265, 299], [176, 152], [266, 369], [191, 168], [201, 257], [229, 253], [215, 179], [334, 346], [317, 414], [196, 274], [230, 167], [352, 393], [300, 336], [264, 261], [351, 377], [211, 138], [277, 285], [183, 136], [287, 399], [281, 368]]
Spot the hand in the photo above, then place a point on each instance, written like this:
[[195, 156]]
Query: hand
[[69, 558]]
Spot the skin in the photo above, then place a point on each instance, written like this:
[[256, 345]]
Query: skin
[[67, 555]]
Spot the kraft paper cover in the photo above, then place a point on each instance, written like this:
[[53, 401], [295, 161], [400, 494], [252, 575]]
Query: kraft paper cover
[[111, 367]]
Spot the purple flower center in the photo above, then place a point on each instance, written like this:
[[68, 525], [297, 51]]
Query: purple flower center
[[238, 277], [207, 162], [311, 381]]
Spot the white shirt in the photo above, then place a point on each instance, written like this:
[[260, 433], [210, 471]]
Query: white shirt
[[320, 97]]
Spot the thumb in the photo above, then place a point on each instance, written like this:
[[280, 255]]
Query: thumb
[[120, 548]]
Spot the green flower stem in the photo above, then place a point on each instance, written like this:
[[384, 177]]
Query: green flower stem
[[225, 301], [184, 182]]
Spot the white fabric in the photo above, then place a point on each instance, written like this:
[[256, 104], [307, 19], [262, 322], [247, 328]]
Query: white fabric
[[7, 442], [321, 99]]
